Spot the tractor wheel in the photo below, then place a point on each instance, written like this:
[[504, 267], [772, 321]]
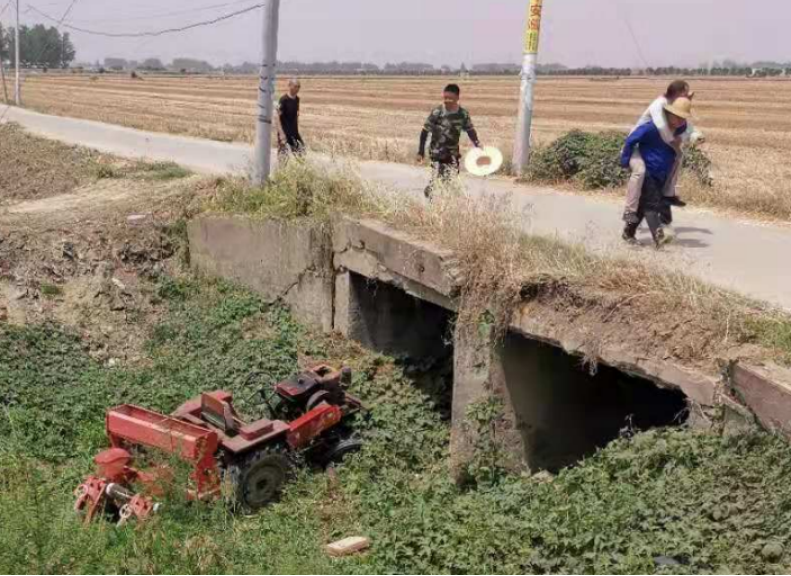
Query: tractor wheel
[[336, 452], [259, 478]]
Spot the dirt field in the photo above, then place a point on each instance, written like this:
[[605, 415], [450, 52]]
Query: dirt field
[[746, 121]]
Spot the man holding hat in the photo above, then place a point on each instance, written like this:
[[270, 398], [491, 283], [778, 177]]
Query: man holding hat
[[660, 161], [445, 125]]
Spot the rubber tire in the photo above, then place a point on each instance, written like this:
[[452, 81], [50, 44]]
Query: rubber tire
[[258, 480], [340, 450]]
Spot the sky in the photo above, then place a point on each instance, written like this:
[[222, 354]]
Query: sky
[[575, 32]]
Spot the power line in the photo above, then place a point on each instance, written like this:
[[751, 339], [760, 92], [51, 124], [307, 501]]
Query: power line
[[148, 34], [164, 14], [7, 4], [625, 18]]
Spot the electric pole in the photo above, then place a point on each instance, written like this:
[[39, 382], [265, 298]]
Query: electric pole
[[266, 94], [524, 124], [17, 86]]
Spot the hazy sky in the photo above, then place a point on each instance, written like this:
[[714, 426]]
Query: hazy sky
[[576, 32]]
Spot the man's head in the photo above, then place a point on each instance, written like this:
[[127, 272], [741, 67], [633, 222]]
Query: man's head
[[293, 87], [678, 112], [450, 96], [678, 89]]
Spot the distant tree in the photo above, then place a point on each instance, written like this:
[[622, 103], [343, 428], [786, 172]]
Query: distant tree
[[191, 65], [116, 64], [4, 54], [40, 47], [152, 65]]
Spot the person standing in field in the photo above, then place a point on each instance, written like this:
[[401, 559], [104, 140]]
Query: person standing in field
[[289, 140], [659, 159], [445, 125], [656, 114]]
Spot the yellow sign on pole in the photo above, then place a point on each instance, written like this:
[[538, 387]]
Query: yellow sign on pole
[[533, 26]]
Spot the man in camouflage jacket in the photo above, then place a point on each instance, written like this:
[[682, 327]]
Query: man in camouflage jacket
[[445, 125]]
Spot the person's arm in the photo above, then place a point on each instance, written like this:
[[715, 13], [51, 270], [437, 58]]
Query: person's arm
[[278, 120], [469, 128], [657, 111], [428, 128], [423, 139], [692, 135], [632, 141]]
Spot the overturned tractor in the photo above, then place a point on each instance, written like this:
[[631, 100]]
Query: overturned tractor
[[311, 421]]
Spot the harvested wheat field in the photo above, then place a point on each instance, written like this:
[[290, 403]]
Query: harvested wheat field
[[746, 121]]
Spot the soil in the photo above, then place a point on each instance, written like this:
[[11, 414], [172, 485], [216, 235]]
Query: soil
[[85, 254]]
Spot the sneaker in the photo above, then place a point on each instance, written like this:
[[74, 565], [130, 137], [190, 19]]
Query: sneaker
[[676, 201], [628, 234]]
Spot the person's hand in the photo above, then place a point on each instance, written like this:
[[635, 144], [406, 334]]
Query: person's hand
[[478, 145], [419, 159]]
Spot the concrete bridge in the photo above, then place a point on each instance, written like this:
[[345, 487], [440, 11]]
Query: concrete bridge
[[398, 295]]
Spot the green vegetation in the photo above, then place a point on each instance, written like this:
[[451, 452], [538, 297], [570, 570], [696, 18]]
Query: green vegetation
[[711, 503], [141, 170], [592, 161], [299, 189]]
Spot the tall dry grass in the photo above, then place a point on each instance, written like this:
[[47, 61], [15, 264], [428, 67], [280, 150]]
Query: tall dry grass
[[499, 266]]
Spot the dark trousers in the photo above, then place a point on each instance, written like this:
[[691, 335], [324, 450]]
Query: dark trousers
[[442, 171], [292, 144], [654, 208]]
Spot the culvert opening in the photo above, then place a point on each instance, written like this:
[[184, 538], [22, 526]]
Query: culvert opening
[[564, 413], [418, 334]]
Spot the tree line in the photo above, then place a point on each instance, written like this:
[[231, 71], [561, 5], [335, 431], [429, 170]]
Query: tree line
[[39, 47]]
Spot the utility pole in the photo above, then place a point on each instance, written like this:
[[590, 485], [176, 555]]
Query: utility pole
[[266, 94], [2, 70], [524, 124], [17, 85]]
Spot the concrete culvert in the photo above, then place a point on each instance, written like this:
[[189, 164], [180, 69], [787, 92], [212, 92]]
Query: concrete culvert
[[564, 413], [418, 334]]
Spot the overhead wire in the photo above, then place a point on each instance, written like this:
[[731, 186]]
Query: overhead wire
[[622, 13], [152, 34], [163, 14]]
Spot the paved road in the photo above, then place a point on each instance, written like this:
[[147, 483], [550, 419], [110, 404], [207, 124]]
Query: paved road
[[751, 258]]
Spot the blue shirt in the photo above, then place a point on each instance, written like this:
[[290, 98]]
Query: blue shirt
[[658, 156]]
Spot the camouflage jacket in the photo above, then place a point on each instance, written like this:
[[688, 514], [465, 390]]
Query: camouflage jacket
[[445, 129]]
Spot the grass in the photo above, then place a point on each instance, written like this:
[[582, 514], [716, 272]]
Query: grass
[[141, 170], [710, 503], [502, 267]]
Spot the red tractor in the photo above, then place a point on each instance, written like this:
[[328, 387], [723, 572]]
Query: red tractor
[[253, 460]]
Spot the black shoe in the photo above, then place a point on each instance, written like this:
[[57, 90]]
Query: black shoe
[[629, 232], [676, 201]]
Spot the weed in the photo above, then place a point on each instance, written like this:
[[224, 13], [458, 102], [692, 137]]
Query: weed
[[592, 160], [51, 290], [712, 503]]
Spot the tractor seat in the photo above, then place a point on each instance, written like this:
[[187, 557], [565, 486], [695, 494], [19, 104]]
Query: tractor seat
[[219, 413]]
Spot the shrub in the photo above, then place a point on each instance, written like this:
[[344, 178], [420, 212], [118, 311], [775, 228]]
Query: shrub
[[592, 160]]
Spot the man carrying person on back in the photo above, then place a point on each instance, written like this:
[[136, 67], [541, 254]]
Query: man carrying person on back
[[445, 125], [289, 140], [656, 114], [660, 162]]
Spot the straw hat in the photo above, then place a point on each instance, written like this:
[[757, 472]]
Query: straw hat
[[681, 107], [483, 161]]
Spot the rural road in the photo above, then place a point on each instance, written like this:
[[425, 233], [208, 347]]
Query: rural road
[[751, 258]]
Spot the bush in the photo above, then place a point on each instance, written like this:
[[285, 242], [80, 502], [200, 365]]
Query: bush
[[593, 161]]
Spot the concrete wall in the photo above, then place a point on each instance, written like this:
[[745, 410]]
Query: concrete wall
[[325, 277], [279, 260]]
